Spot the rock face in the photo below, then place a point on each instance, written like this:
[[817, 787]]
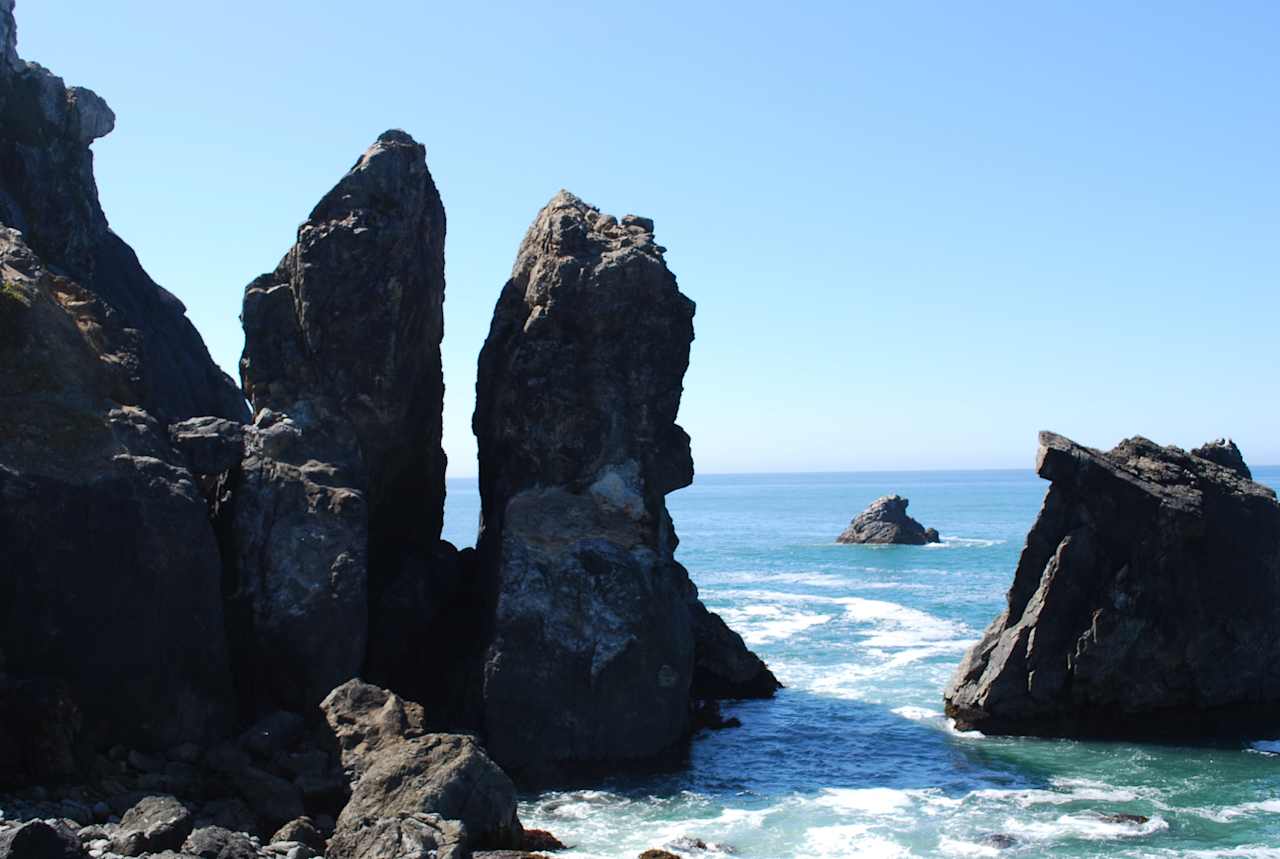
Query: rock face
[[95, 361], [592, 653], [886, 521], [399, 770], [1144, 603], [1224, 452], [341, 491]]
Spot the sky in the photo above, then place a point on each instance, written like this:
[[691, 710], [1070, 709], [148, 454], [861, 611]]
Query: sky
[[916, 232]]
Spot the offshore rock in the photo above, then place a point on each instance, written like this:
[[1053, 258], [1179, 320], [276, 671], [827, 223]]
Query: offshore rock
[[592, 653], [342, 486], [1144, 602], [886, 521]]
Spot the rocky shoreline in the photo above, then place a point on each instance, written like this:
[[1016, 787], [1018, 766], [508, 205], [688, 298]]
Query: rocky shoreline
[[198, 572]]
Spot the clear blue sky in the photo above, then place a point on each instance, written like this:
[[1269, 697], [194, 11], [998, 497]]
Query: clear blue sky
[[916, 232]]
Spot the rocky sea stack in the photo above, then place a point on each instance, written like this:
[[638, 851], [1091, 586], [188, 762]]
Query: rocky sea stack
[[886, 521], [1145, 602], [593, 650], [192, 585]]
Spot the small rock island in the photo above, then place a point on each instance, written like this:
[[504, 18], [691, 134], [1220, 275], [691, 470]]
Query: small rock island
[[886, 521]]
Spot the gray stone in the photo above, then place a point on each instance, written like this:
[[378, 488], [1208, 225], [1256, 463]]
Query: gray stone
[[156, 823], [215, 842], [302, 830], [1145, 603], [410, 835], [39, 839], [211, 445], [366, 718], [886, 521]]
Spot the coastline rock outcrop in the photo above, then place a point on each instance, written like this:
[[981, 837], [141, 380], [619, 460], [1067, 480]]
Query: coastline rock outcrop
[[341, 490], [886, 521], [95, 361], [592, 653], [399, 771], [1144, 602]]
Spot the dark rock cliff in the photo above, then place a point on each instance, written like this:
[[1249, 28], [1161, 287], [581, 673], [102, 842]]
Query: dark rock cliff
[[341, 492], [1144, 603], [593, 648], [110, 574]]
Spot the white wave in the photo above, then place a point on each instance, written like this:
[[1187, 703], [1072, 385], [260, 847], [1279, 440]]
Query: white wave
[[968, 735], [761, 624], [917, 714], [1233, 812], [843, 841], [1068, 790], [955, 847], [1267, 747], [1089, 827], [952, 542], [865, 800]]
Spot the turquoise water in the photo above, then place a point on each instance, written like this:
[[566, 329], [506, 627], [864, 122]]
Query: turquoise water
[[854, 758]]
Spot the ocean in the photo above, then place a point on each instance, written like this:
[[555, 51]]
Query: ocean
[[854, 758]]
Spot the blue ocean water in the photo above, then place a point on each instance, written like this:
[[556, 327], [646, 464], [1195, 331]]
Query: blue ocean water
[[854, 758]]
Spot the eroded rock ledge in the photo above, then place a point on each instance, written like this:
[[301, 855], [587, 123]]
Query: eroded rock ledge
[[1145, 602]]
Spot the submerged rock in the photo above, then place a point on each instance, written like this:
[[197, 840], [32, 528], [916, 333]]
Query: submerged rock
[[1145, 602], [886, 521], [341, 489], [592, 654]]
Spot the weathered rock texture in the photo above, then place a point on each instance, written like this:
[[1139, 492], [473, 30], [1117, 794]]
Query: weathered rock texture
[[886, 521], [341, 491], [592, 652], [1145, 602], [110, 577], [399, 770]]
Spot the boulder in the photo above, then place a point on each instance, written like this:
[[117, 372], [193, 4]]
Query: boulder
[[214, 842], [1145, 603], [96, 506], [301, 830], [406, 834], [342, 487], [39, 839], [591, 657], [398, 769], [366, 718], [886, 521], [156, 823]]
